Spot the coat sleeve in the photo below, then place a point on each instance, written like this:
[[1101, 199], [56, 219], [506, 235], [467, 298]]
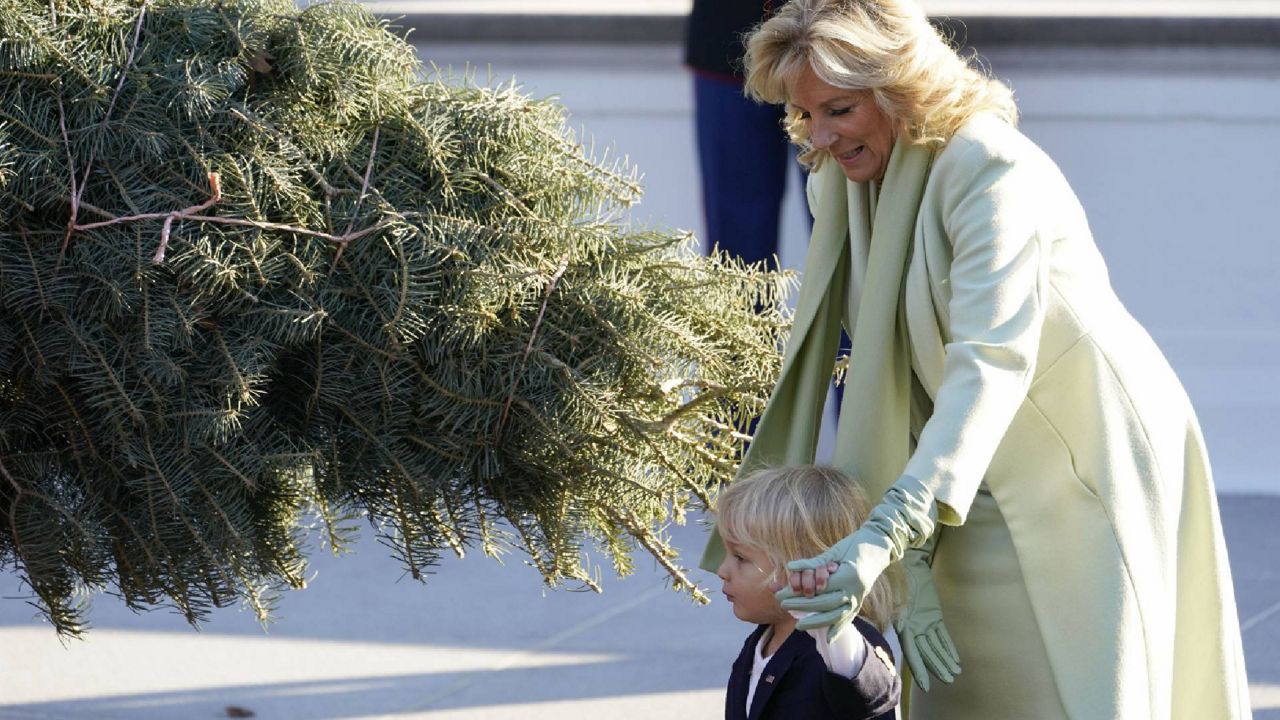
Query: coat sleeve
[[873, 692], [998, 280]]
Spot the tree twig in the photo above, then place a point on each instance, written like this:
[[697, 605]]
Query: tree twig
[[528, 348], [71, 166], [364, 189], [77, 190], [191, 213], [124, 73]]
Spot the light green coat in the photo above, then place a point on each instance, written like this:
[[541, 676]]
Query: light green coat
[[1047, 390], [1101, 475]]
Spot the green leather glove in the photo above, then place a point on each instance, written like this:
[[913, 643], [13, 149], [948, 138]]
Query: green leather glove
[[904, 518], [926, 644]]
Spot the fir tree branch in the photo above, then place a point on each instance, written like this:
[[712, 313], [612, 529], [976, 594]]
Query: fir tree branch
[[26, 126], [216, 195], [128, 64], [638, 530], [43, 77], [239, 111], [98, 210], [338, 239]]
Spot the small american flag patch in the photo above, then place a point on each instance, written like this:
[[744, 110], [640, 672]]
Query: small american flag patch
[[769, 679]]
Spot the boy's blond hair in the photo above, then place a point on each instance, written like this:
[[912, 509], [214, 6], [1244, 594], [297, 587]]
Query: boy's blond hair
[[791, 513]]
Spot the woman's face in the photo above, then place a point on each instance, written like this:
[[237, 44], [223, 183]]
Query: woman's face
[[846, 123]]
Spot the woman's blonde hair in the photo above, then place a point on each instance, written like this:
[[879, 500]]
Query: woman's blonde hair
[[793, 513], [886, 46]]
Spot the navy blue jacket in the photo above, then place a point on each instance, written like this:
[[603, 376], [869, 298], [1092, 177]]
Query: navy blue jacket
[[713, 36], [796, 684]]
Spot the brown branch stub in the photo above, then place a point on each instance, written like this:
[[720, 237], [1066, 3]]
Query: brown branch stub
[[216, 195]]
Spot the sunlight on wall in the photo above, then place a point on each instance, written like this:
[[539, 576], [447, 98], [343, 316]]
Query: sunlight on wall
[[1264, 696]]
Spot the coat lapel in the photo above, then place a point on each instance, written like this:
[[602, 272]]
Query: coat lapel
[[735, 701], [774, 671]]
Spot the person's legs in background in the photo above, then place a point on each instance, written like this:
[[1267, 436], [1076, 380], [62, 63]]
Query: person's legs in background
[[743, 157]]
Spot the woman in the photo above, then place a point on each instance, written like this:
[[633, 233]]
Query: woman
[[996, 386]]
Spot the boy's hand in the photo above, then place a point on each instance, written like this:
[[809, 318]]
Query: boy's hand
[[808, 582]]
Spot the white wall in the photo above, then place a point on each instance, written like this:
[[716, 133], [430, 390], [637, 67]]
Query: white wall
[[1175, 155]]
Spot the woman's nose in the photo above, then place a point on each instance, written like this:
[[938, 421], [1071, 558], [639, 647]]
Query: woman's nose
[[820, 136]]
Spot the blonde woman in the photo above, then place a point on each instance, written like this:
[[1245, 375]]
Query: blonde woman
[[766, 520], [997, 387]]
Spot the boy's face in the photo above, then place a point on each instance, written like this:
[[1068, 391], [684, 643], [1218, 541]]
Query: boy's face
[[746, 573]]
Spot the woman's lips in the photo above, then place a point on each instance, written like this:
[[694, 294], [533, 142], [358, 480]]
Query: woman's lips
[[851, 157]]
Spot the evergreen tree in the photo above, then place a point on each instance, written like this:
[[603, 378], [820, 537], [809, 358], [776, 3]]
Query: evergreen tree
[[257, 269]]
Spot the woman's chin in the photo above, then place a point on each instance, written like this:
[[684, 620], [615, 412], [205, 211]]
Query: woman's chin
[[858, 174]]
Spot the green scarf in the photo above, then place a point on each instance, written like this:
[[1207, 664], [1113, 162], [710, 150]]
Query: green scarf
[[873, 436]]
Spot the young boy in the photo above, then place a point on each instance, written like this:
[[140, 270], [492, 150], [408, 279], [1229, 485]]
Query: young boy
[[765, 520]]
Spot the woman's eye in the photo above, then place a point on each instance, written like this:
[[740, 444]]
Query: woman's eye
[[804, 116], [840, 111]]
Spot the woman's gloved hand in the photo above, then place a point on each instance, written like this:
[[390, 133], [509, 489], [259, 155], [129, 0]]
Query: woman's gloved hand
[[926, 644], [861, 558], [904, 518]]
